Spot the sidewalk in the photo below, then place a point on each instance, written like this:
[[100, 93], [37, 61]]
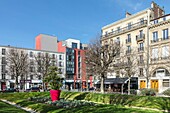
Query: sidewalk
[[14, 104]]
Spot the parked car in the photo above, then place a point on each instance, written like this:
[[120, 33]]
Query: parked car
[[35, 89], [91, 89], [9, 90], [27, 90]]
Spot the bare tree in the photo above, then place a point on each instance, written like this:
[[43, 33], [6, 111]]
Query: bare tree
[[127, 64], [17, 63], [100, 58], [43, 62]]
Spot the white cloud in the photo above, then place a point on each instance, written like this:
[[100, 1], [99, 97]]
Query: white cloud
[[129, 4]]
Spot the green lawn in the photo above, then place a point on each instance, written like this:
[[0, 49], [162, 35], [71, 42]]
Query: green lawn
[[102, 109], [6, 108], [22, 100]]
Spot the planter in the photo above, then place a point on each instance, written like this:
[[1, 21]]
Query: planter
[[55, 95]]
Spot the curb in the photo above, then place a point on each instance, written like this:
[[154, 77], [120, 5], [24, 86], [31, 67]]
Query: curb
[[18, 106]]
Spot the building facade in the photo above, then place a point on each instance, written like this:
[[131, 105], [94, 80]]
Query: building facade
[[147, 34], [75, 63], [33, 77]]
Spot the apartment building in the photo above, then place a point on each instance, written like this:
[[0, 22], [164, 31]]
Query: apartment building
[[34, 75], [75, 63], [147, 34], [74, 50]]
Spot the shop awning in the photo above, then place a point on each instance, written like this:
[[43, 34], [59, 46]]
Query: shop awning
[[117, 80]]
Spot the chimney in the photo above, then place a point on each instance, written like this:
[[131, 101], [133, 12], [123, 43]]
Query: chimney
[[157, 10], [128, 14]]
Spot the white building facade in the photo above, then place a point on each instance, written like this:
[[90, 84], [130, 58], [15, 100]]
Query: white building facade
[[32, 78]]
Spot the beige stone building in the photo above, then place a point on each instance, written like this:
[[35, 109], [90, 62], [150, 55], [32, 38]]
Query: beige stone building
[[146, 36]]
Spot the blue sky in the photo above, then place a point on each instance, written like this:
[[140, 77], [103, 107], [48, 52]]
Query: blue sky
[[22, 20]]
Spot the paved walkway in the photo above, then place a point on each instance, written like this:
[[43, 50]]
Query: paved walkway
[[23, 108]]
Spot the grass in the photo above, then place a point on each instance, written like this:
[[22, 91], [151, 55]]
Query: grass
[[102, 109], [111, 103], [6, 108]]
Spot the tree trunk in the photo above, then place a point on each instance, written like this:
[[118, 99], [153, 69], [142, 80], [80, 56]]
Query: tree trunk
[[16, 81], [102, 84], [122, 88], [147, 82], [129, 86]]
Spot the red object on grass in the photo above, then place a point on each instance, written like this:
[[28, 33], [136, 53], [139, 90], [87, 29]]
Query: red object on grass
[[55, 95]]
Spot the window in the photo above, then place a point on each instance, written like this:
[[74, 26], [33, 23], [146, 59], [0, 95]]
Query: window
[[31, 69], [39, 55], [31, 54], [165, 34], [39, 77], [118, 29], [141, 58], [118, 40], [3, 60], [39, 69], [53, 63], [141, 33], [129, 38], [31, 62], [164, 18], [60, 70], [128, 59], [53, 56], [74, 45], [141, 71], [60, 57], [165, 51], [3, 51], [112, 30], [12, 76], [78, 52], [3, 68], [60, 64], [106, 33], [165, 83], [3, 76], [117, 73], [155, 53], [141, 47], [142, 21], [155, 21], [128, 49], [129, 25], [31, 77], [155, 36]]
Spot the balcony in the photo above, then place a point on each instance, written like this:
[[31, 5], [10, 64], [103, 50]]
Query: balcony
[[128, 52], [165, 58], [154, 59], [160, 40], [141, 49], [140, 37], [141, 62], [156, 40], [125, 30], [128, 41]]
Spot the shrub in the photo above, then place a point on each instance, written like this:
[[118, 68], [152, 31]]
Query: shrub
[[147, 92], [167, 92]]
